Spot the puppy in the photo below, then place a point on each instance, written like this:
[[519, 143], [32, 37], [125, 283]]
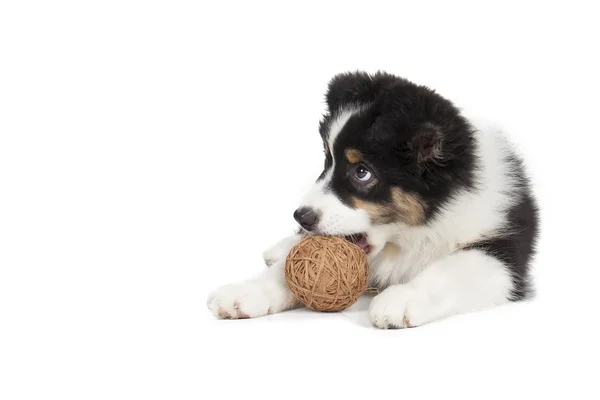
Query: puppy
[[442, 207]]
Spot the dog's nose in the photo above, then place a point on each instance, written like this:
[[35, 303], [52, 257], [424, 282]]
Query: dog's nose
[[307, 217]]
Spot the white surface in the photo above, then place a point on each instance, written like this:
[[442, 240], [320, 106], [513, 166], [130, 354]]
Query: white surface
[[150, 152]]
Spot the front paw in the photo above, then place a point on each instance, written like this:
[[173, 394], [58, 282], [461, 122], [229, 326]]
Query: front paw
[[274, 256], [399, 306], [243, 300], [277, 254]]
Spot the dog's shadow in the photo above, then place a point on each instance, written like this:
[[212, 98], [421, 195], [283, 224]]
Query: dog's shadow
[[358, 313]]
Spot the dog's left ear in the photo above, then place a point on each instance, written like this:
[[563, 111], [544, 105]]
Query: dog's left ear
[[351, 88], [428, 146], [348, 88]]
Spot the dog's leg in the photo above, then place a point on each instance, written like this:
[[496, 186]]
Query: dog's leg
[[465, 281], [266, 294]]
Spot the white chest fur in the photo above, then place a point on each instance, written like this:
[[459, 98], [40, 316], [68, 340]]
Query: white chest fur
[[401, 252], [405, 255]]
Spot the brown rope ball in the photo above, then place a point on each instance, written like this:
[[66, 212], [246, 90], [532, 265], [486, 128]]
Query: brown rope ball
[[327, 273]]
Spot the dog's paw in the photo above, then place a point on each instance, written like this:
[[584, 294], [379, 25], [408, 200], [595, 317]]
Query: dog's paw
[[243, 300], [267, 295], [273, 256], [277, 254], [399, 306]]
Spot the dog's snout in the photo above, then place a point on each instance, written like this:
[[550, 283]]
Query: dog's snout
[[307, 217]]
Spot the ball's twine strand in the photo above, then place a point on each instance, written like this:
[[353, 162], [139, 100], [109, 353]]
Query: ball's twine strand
[[327, 273]]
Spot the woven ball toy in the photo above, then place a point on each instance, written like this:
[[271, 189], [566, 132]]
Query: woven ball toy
[[327, 273]]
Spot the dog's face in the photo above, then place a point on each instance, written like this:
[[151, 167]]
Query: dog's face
[[395, 152]]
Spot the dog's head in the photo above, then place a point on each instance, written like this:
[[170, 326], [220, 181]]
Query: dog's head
[[395, 152]]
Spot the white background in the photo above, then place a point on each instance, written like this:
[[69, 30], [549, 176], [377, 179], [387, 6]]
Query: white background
[[150, 151]]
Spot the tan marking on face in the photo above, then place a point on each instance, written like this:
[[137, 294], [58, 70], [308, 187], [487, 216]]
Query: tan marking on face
[[410, 206], [404, 207], [353, 156], [379, 213]]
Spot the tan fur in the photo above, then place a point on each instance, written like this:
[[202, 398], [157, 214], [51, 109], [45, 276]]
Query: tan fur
[[404, 207], [409, 205], [353, 156], [378, 212], [390, 250]]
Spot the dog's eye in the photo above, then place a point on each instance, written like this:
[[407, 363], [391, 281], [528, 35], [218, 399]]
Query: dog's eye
[[362, 173]]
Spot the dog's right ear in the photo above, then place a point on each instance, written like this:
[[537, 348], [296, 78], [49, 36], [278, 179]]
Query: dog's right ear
[[428, 146], [355, 88]]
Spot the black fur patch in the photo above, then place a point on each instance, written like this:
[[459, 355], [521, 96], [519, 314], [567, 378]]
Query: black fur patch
[[411, 138], [516, 246]]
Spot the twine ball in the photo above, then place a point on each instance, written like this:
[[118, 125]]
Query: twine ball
[[326, 273]]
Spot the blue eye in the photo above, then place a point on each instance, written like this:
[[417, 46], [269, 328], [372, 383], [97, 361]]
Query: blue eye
[[362, 173]]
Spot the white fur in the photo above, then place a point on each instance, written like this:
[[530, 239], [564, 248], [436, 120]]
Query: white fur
[[336, 218], [276, 255], [461, 282], [471, 216], [266, 294], [426, 273]]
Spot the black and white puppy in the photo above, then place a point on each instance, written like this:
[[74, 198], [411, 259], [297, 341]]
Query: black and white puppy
[[442, 207]]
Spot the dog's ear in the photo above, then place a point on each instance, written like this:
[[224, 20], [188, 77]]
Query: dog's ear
[[428, 146], [355, 88]]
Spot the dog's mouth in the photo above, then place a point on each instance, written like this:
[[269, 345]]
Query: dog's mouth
[[361, 240]]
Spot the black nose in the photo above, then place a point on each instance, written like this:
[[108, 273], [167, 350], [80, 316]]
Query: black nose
[[307, 217]]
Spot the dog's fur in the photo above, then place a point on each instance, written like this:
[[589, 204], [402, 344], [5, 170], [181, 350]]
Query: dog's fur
[[443, 207]]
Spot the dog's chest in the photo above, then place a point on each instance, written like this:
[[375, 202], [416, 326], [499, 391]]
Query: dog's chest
[[402, 259]]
